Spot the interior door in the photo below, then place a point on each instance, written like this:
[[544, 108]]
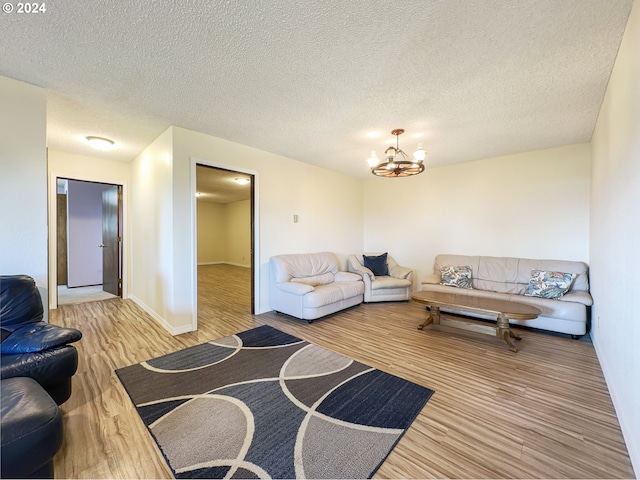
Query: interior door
[[61, 232], [111, 239]]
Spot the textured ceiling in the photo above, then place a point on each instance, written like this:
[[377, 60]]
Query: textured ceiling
[[312, 80], [217, 185]]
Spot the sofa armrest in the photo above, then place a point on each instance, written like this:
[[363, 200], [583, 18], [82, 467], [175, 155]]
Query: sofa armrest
[[37, 337], [356, 267], [433, 279], [295, 287], [400, 272], [578, 296], [347, 277]]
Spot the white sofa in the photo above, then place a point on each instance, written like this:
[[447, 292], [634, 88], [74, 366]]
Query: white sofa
[[382, 288], [507, 278], [311, 285]]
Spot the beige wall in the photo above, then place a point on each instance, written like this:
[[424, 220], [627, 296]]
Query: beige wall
[[163, 206], [224, 233], [532, 205], [23, 183], [615, 236], [328, 204], [238, 233], [211, 233], [90, 169]]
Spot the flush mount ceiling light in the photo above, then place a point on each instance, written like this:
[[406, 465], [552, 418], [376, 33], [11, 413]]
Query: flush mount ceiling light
[[100, 143], [397, 163], [241, 181]]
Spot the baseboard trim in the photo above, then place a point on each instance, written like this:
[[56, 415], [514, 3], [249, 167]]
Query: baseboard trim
[[226, 263], [630, 440], [159, 319]]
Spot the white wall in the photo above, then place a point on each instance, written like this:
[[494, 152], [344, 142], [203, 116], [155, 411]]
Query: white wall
[[84, 226], [152, 229], [23, 183], [531, 205], [615, 236], [91, 169]]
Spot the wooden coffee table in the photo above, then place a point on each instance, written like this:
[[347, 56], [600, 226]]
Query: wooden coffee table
[[503, 310]]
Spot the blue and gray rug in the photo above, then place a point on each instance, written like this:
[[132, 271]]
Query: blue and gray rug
[[265, 404]]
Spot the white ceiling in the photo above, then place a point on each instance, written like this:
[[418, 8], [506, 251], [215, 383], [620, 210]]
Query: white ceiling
[[311, 80]]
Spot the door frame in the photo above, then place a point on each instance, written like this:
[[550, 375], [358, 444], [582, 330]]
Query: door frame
[[255, 230], [53, 241]]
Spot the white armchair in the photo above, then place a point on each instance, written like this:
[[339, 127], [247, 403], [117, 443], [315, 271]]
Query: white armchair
[[394, 286]]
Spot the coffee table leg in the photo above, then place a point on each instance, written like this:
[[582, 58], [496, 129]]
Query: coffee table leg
[[428, 321], [434, 317], [503, 332]]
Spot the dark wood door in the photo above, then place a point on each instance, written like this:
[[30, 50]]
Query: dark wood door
[[61, 230], [111, 239]]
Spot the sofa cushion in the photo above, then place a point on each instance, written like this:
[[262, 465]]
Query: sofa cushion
[[20, 301], [323, 295], [32, 429], [456, 276], [377, 264], [383, 283], [546, 284], [296, 265], [316, 280]]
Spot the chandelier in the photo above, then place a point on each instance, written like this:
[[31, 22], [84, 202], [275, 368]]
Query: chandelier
[[397, 163]]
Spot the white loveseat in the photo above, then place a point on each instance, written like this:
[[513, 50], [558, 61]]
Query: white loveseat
[[507, 278], [394, 287], [311, 285]]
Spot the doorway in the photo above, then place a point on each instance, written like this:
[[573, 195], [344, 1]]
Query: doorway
[[225, 239], [89, 241]]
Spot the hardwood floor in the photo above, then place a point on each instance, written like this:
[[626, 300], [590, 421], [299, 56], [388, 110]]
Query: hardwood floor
[[543, 412]]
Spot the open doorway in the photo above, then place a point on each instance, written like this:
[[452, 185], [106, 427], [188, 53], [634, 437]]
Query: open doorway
[[225, 213], [89, 241]]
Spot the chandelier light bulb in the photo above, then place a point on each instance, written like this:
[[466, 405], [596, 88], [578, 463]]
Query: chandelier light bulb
[[420, 153], [390, 153], [373, 159]]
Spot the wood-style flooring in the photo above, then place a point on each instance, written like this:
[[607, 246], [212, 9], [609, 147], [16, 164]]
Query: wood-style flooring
[[543, 412]]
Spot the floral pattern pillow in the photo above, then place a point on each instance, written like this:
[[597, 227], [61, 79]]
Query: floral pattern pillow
[[549, 284], [456, 276]]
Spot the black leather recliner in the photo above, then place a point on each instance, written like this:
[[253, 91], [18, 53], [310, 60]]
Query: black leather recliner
[[30, 347], [31, 429]]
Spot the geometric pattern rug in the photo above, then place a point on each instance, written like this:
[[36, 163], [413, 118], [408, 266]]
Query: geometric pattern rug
[[265, 404]]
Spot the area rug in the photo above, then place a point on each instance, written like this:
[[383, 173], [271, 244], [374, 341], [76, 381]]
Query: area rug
[[265, 404]]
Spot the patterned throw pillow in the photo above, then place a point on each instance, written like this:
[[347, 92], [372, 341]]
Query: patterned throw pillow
[[549, 284], [456, 276]]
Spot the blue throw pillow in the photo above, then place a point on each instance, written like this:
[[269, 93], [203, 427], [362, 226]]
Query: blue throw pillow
[[377, 264]]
